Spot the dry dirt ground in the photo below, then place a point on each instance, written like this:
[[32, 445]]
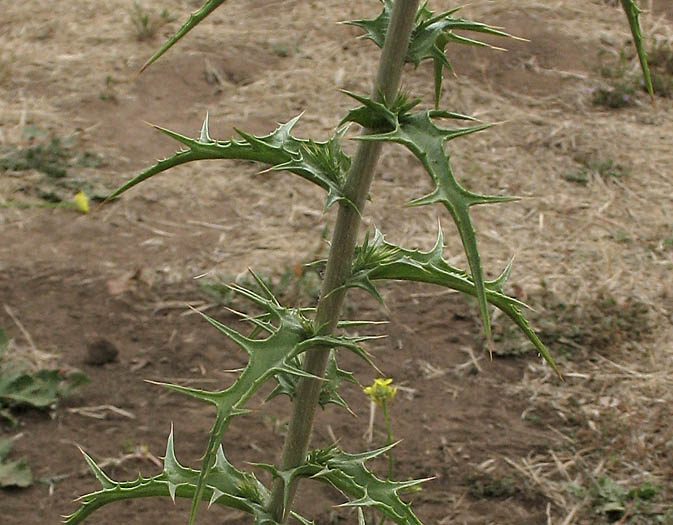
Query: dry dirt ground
[[504, 440]]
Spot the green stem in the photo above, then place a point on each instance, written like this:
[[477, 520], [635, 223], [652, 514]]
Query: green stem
[[340, 257], [389, 439]]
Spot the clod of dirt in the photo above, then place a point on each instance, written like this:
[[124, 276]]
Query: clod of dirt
[[100, 352]]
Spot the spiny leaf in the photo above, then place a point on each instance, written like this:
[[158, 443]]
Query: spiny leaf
[[98, 473], [288, 378], [194, 19], [322, 163], [224, 485], [329, 393], [273, 356], [348, 474], [633, 14], [429, 37], [378, 259], [425, 140]]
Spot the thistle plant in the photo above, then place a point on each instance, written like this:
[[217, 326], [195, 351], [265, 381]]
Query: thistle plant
[[297, 347]]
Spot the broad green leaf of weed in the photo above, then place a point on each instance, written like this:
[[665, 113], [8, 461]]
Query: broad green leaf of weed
[[40, 389], [13, 473], [21, 387]]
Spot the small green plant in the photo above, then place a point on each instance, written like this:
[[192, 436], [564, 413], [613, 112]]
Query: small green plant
[[297, 347], [623, 85], [147, 24], [668, 242], [619, 95], [51, 158], [483, 485], [13, 473], [381, 392], [615, 501], [47, 170], [25, 384], [591, 166], [108, 91]]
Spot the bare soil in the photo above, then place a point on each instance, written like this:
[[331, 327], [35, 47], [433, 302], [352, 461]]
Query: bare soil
[[503, 439]]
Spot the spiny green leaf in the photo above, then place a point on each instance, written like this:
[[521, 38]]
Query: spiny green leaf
[[633, 14], [426, 140], [98, 473], [194, 19], [224, 485], [429, 37], [273, 356], [329, 393], [348, 474], [322, 163], [377, 259]]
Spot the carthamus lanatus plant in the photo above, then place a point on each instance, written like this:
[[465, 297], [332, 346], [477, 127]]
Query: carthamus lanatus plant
[[297, 348]]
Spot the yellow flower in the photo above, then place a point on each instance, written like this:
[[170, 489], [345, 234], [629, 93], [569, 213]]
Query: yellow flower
[[380, 391], [81, 202]]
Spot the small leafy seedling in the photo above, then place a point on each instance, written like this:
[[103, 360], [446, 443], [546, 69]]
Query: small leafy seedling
[[147, 24], [14, 473]]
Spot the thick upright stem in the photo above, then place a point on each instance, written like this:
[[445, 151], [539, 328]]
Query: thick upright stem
[[341, 255]]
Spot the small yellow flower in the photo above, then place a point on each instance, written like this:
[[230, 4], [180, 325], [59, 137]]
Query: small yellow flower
[[81, 202], [380, 391]]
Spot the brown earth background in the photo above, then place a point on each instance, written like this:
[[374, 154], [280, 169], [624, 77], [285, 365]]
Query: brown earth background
[[504, 441]]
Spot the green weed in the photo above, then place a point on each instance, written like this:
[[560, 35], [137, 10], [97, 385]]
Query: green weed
[[483, 485], [13, 473], [591, 166], [284, 49], [108, 91], [23, 385], [613, 500], [599, 325], [620, 95], [147, 24], [624, 85], [297, 347], [48, 167]]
